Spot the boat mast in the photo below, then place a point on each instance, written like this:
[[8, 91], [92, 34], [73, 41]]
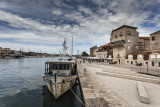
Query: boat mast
[[64, 48], [72, 47]]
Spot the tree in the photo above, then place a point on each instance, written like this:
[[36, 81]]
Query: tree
[[85, 53]]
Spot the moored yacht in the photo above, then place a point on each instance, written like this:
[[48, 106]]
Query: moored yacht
[[60, 75]]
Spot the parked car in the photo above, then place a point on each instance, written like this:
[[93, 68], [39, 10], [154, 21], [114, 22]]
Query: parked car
[[113, 62], [139, 64]]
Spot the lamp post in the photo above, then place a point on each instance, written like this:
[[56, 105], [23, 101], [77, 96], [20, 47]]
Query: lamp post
[[147, 66]]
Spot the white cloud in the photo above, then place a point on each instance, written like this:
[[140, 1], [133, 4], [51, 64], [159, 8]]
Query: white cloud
[[57, 12], [94, 29]]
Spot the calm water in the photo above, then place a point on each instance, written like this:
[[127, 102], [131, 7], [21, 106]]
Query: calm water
[[21, 85]]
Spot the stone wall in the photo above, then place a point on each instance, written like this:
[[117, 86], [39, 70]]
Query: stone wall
[[155, 44]]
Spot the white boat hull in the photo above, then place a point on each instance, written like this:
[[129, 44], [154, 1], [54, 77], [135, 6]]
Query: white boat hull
[[62, 84]]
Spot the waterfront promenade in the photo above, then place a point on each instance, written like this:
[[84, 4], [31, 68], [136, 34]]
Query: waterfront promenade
[[105, 85]]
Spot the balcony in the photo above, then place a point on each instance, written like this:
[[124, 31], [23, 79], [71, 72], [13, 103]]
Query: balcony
[[118, 43]]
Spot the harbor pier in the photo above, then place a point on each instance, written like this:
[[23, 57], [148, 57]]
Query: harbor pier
[[105, 85]]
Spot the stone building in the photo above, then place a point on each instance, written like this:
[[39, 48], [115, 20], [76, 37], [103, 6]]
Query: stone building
[[132, 58], [5, 50], [143, 45], [123, 41], [93, 51], [154, 60], [143, 58], [155, 41], [140, 58], [105, 51]]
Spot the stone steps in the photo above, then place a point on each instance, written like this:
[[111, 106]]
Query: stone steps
[[131, 77]]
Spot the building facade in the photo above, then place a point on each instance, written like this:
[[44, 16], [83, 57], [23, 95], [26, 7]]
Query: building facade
[[142, 45], [154, 60], [104, 51], [123, 41], [93, 51], [155, 41]]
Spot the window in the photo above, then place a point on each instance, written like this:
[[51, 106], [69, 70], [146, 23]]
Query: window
[[153, 47], [131, 62], [60, 66], [127, 61], [135, 61], [115, 36], [153, 56], [140, 43], [158, 56], [146, 63], [56, 67], [153, 38], [152, 63], [159, 64], [129, 47], [129, 33], [121, 34], [129, 40]]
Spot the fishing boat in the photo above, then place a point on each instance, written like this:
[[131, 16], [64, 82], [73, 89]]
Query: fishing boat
[[60, 75]]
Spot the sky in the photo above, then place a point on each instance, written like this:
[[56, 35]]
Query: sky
[[41, 25]]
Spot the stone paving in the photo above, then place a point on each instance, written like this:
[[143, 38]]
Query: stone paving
[[119, 92]]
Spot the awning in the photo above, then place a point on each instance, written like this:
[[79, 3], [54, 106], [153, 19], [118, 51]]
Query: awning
[[109, 58], [93, 58]]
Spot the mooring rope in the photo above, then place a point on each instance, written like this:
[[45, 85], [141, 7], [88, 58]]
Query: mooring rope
[[74, 93]]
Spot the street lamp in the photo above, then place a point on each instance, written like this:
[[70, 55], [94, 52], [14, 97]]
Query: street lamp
[[147, 66]]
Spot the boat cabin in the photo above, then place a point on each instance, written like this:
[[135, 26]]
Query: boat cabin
[[60, 67]]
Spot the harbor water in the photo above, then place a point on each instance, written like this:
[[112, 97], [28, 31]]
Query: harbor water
[[21, 85]]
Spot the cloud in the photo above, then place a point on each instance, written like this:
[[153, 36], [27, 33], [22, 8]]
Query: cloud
[[57, 12], [90, 22]]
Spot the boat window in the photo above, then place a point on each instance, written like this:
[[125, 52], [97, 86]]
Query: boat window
[[60, 66], [66, 67], [56, 66]]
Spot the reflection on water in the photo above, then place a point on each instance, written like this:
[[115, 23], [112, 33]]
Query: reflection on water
[[21, 85]]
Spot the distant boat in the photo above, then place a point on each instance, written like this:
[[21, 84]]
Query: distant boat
[[18, 56], [60, 75]]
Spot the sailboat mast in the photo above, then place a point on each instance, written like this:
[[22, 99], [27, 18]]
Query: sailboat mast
[[72, 47]]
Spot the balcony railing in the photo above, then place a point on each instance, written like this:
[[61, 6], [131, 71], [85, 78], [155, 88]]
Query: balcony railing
[[118, 43]]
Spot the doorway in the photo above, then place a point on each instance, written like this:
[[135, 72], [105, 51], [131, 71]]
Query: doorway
[[119, 61]]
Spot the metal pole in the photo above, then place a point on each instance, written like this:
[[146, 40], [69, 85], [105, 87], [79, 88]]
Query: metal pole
[[72, 47], [147, 66]]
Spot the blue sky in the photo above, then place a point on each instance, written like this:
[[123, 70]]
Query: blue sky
[[43, 24]]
